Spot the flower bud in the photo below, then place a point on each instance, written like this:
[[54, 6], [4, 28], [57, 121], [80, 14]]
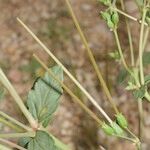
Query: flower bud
[[107, 129], [121, 120], [117, 129], [105, 2]]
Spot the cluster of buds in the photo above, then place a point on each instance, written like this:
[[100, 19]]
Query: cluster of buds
[[105, 2], [116, 127], [111, 17]]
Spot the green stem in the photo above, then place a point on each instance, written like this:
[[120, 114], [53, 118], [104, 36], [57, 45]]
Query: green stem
[[129, 16], [59, 144], [18, 135], [140, 104], [92, 59], [120, 51], [13, 145], [15, 121], [126, 138], [129, 35], [18, 100], [146, 37], [141, 47], [9, 124], [147, 96], [140, 108]]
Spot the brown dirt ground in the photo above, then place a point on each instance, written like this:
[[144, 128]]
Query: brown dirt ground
[[50, 20]]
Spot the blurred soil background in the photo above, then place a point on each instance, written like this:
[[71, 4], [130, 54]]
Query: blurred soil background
[[50, 20]]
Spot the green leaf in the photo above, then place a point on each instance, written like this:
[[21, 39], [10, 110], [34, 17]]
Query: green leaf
[[115, 18], [140, 93], [121, 120], [107, 129], [115, 55], [24, 141], [146, 58], [122, 76], [42, 141], [147, 79], [43, 99], [117, 129]]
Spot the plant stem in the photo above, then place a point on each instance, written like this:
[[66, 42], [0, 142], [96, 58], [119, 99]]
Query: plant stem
[[92, 100], [129, 16], [18, 100], [140, 108], [140, 104], [120, 51], [129, 35], [9, 124], [78, 100], [141, 48], [92, 59], [13, 145], [146, 37], [15, 121], [83, 106], [59, 144], [18, 135]]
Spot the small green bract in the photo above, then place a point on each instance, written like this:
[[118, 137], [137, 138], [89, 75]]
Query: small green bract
[[107, 129], [121, 120]]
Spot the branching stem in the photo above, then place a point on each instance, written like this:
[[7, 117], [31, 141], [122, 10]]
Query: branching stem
[[92, 100], [18, 100]]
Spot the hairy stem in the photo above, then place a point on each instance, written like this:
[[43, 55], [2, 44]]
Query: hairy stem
[[140, 104], [15, 121], [92, 59], [11, 125], [92, 100], [129, 35], [11, 144], [146, 35], [17, 135], [129, 16], [120, 51], [18, 100]]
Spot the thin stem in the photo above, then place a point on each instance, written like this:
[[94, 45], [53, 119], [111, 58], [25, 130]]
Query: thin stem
[[126, 138], [15, 121], [91, 56], [140, 108], [78, 100], [129, 16], [18, 135], [92, 100], [129, 35], [141, 48], [140, 104], [146, 37], [59, 144], [11, 144], [83, 106], [120, 51], [9, 124], [18, 100]]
